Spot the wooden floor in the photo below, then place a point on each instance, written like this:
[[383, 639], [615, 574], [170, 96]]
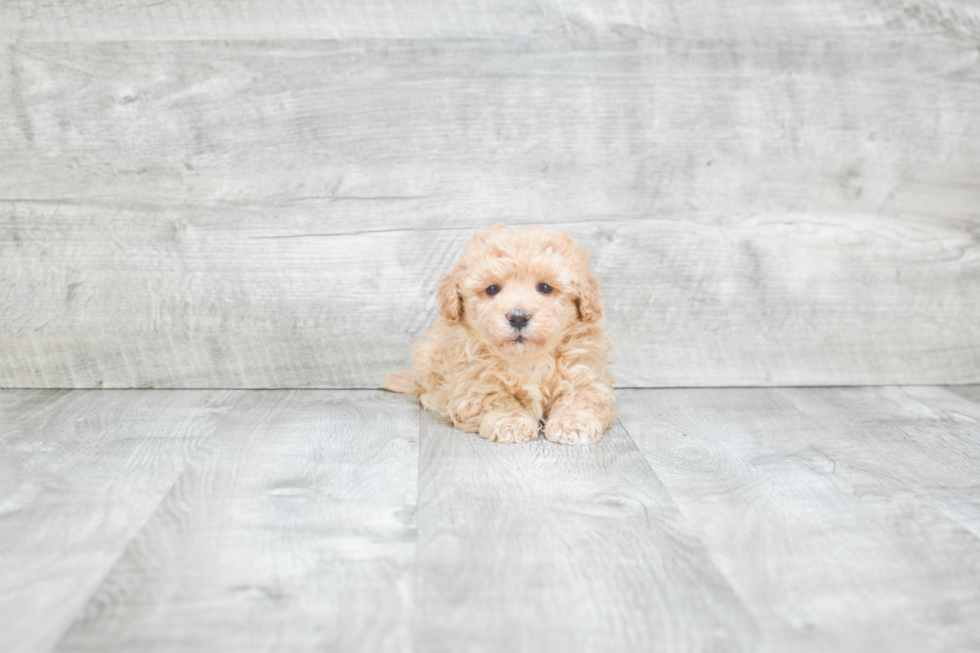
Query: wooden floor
[[830, 519]]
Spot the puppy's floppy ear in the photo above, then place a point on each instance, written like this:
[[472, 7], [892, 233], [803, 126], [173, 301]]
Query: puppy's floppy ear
[[450, 300], [589, 298]]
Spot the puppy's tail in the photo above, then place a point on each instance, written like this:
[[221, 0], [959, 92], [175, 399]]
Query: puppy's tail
[[402, 381]]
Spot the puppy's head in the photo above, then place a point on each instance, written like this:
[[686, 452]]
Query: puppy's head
[[520, 289]]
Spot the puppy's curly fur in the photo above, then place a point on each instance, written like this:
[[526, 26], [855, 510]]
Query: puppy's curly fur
[[517, 342]]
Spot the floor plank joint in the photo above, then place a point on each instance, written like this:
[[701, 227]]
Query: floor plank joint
[[793, 519]]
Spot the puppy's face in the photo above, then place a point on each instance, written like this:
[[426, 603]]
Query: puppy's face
[[519, 305], [520, 289]]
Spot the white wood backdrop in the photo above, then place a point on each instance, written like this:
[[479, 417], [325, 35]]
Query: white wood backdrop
[[263, 194]]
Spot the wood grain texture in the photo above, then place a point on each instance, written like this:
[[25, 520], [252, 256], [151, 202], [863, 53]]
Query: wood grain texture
[[201, 301], [293, 531], [80, 473], [930, 447], [256, 195], [104, 20], [543, 547], [817, 531], [813, 519], [483, 130]]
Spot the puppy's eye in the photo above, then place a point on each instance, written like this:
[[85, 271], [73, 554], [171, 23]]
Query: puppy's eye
[[544, 288], [493, 290]]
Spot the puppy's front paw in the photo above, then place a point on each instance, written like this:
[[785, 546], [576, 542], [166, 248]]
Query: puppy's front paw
[[573, 428], [501, 426]]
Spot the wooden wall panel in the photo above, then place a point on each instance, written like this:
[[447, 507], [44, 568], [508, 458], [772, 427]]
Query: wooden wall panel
[[238, 299], [479, 131], [109, 20], [793, 201]]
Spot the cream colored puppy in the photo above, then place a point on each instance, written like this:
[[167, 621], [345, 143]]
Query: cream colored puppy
[[517, 342]]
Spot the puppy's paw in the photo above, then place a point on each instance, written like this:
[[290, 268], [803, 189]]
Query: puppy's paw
[[573, 428], [502, 426]]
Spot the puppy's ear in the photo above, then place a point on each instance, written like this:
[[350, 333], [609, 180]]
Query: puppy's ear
[[590, 298], [450, 300]]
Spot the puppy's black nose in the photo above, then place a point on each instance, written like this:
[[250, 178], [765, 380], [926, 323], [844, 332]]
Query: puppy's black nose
[[518, 319]]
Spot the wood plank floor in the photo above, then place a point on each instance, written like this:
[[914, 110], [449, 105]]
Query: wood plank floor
[[819, 519]]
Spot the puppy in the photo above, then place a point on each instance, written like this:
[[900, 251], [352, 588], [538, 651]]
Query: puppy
[[517, 343]]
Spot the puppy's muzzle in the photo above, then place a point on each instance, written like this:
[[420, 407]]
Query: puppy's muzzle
[[518, 319]]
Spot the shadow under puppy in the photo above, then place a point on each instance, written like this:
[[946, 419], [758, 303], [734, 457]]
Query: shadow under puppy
[[517, 342]]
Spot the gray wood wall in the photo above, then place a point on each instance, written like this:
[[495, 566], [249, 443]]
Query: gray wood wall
[[265, 194]]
